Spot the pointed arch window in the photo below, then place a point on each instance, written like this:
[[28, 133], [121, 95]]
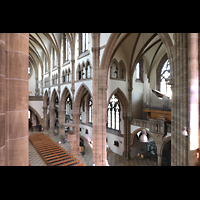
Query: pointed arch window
[[113, 113], [69, 75], [66, 48], [68, 105], [84, 42], [165, 88], [88, 70], [54, 58], [90, 111], [139, 71]]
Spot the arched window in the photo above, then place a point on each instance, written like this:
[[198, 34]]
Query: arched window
[[84, 71], [69, 75], [117, 70], [88, 70], [113, 113], [114, 70], [79, 73], [164, 79], [84, 42], [63, 75], [68, 105], [139, 71], [90, 116], [66, 48], [122, 70], [54, 58]]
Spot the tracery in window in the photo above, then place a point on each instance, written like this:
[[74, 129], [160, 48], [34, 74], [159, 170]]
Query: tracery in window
[[113, 113], [164, 79]]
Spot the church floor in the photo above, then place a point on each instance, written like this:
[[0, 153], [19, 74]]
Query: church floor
[[87, 158]]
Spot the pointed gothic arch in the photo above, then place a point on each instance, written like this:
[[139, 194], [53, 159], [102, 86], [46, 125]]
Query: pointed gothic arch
[[83, 89], [122, 97], [66, 92]]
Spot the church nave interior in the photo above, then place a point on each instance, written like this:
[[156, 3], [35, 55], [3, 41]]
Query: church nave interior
[[107, 98]]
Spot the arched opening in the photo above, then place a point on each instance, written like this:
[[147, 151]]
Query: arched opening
[[81, 111], [35, 121], [144, 149], [54, 113], [166, 154], [65, 113]]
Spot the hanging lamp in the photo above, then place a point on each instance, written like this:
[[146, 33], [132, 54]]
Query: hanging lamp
[[143, 137]]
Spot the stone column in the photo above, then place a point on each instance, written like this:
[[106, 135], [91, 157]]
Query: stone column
[[100, 141], [2, 99], [159, 160], [193, 72], [73, 81], [99, 107], [127, 137], [44, 118], [73, 139], [61, 126], [59, 81], [52, 119], [42, 76], [180, 101], [17, 61], [36, 86]]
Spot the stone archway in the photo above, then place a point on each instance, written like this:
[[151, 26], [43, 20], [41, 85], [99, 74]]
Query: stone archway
[[166, 141], [52, 111], [138, 147], [62, 112], [73, 139], [40, 120], [127, 119]]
